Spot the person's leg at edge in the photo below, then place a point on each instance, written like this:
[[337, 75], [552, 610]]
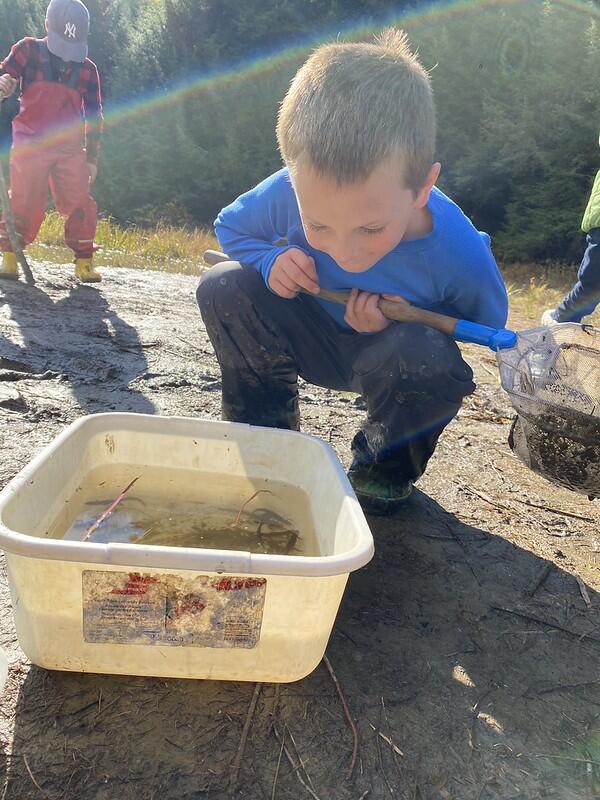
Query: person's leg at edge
[[585, 295], [414, 380], [29, 173], [70, 186]]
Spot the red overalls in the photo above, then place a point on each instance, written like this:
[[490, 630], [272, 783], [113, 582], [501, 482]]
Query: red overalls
[[48, 151]]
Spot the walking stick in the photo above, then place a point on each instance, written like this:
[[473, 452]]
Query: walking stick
[[9, 222]]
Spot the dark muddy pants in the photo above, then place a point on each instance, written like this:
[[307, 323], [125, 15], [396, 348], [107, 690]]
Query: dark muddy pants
[[412, 377]]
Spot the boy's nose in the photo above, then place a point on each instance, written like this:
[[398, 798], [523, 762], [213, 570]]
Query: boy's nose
[[344, 256]]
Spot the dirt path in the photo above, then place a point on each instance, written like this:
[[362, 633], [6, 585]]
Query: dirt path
[[465, 680]]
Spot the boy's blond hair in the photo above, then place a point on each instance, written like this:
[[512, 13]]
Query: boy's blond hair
[[350, 106]]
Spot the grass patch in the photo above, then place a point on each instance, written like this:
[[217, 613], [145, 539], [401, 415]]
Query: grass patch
[[165, 247], [532, 288]]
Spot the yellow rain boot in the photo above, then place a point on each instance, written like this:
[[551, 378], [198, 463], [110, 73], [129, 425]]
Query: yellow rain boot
[[9, 269], [85, 272]]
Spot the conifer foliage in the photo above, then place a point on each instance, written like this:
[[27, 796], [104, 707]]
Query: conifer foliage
[[192, 89]]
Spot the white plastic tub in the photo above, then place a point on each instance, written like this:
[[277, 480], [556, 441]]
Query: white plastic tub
[[95, 607]]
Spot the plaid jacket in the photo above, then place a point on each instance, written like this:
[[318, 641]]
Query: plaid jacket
[[30, 61]]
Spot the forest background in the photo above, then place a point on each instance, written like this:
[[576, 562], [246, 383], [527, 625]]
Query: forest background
[[191, 90]]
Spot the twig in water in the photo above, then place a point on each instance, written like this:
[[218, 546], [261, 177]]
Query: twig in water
[[108, 511], [235, 774], [346, 712], [294, 766], [245, 503]]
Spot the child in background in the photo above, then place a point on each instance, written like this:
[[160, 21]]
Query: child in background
[[357, 206], [52, 147], [585, 295]]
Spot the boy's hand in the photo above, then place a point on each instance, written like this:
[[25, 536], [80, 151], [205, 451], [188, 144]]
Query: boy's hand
[[7, 85], [363, 312], [93, 171], [293, 271]]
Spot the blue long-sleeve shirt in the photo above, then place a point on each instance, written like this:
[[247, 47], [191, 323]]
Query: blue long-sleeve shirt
[[450, 270]]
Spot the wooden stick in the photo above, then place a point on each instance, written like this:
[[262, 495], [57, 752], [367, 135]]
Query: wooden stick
[[540, 578], [299, 757], [389, 741], [277, 772], [32, 776], [346, 712], [554, 510], [108, 511], [555, 625], [294, 766], [242, 746], [583, 591], [399, 311]]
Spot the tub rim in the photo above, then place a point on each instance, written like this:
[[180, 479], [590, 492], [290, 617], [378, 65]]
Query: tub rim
[[182, 558]]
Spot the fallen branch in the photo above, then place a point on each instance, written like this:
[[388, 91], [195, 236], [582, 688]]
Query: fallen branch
[[276, 773], [567, 758], [562, 686], [299, 757], [294, 766], [540, 578], [346, 712], [555, 625], [235, 774], [583, 591], [108, 511], [554, 510], [32, 776], [387, 740]]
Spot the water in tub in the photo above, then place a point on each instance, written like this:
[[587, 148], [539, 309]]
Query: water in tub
[[184, 508]]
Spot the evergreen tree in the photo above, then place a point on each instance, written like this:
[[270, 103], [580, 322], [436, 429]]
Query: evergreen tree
[[192, 87]]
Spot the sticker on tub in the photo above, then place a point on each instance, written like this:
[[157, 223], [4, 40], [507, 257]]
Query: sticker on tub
[[167, 609]]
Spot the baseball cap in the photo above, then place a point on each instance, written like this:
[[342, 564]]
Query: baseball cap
[[68, 24]]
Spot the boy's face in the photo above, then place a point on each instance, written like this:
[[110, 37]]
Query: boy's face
[[357, 224]]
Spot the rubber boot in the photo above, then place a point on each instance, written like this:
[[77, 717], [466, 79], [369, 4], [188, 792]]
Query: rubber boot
[[9, 270], [85, 272]]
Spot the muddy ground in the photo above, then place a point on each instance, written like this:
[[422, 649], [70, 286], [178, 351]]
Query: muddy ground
[[466, 649]]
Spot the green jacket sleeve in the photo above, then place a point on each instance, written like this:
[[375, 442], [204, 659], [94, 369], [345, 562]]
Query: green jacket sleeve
[[591, 217]]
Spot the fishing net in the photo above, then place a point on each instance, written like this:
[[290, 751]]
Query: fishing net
[[552, 376]]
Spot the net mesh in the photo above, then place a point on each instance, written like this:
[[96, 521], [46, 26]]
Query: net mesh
[[552, 376]]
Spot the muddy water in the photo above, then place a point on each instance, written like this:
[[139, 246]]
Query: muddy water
[[185, 508]]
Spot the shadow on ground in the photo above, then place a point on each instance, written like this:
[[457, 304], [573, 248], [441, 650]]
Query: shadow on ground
[[469, 677], [79, 336]]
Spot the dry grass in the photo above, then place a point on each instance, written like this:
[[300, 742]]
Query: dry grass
[[164, 247], [532, 288]]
